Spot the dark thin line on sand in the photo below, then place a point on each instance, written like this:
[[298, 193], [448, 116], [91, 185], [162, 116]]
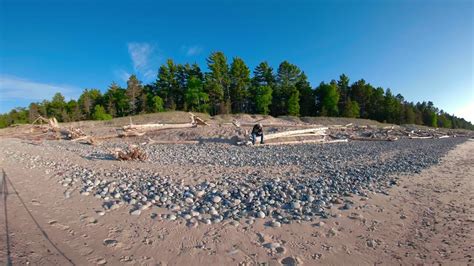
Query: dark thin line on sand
[[45, 235], [4, 191]]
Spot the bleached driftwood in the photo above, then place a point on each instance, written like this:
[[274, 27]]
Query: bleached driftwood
[[86, 140], [373, 139], [418, 137], [53, 123], [236, 123], [195, 121], [152, 127], [315, 131], [310, 132], [129, 133], [61, 132], [151, 142], [322, 141], [198, 120], [133, 153]]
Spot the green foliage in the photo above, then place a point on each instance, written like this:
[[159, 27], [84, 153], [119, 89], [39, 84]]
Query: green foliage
[[263, 99], [56, 108], [4, 120], [376, 104], [196, 99], [410, 115], [100, 114], [344, 91], [351, 109], [288, 75], [262, 76], [167, 85], [361, 93], [294, 103], [307, 96], [73, 110], [88, 100], [217, 84], [428, 112], [17, 115], [328, 98], [239, 85], [116, 101], [444, 121], [158, 104], [134, 94]]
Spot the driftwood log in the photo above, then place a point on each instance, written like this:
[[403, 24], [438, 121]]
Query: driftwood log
[[294, 133], [304, 141], [140, 130], [373, 139]]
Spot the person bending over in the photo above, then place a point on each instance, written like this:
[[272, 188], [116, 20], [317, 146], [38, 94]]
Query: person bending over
[[257, 131]]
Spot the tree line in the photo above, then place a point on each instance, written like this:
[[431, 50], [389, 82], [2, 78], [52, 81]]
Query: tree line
[[230, 88]]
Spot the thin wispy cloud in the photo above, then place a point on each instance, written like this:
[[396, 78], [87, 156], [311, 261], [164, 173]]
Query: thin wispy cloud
[[14, 88], [192, 50], [145, 59], [122, 74]]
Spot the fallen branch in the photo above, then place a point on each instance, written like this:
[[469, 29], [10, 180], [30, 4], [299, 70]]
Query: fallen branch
[[134, 153], [86, 140]]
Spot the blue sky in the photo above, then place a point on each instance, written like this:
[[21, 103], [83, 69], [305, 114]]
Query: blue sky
[[421, 49]]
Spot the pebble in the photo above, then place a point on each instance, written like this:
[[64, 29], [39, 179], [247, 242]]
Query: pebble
[[275, 224], [136, 212], [91, 220], [280, 250], [290, 261], [295, 205], [216, 199], [110, 242], [332, 232], [371, 243], [271, 245]]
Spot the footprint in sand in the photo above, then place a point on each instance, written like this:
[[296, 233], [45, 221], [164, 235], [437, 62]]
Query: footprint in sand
[[101, 261], [84, 251]]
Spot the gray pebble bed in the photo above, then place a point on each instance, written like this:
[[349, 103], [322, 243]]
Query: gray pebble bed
[[329, 175]]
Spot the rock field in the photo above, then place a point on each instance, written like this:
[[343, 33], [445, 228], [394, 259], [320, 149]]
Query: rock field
[[326, 178]]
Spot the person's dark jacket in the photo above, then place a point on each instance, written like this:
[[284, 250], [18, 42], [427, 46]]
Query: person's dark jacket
[[257, 130]]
